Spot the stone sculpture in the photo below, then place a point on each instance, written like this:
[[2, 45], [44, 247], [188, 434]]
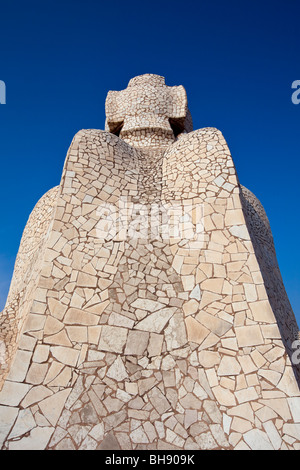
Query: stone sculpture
[[147, 310]]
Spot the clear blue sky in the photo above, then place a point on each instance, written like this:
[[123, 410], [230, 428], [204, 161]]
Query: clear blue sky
[[236, 59]]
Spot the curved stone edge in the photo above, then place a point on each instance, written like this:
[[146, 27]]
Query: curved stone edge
[[26, 273], [23, 296], [263, 242], [33, 235]]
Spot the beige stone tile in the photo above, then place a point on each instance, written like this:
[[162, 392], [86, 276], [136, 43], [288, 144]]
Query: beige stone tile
[[190, 307], [65, 355], [59, 339], [208, 298], [195, 331], [113, 338], [156, 321], [63, 379], [86, 280], [246, 394], [240, 425], [94, 334], [288, 384], [249, 336], [13, 392], [137, 342], [75, 316], [57, 309], [155, 344], [8, 417], [188, 282], [37, 439], [20, 366], [209, 359], [243, 411], [78, 334], [213, 323], [262, 312], [36, 373], [228, 366], [224, 396], [258, 440], [234, 217], [52, 406]]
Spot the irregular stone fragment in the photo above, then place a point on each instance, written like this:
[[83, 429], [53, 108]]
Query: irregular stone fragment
[[175, 332], [109, 443], [191, 401], [287, 383], [148, 305], [65, 355], [65, 444], [37, 440], [138, 436], [12, 393], [74, 316], [117, 370], [155, 344], [258, 440], [292, 430], [249, 336], [228, 366], [224, 396], [20, 366], [273, 434], [137, 342], [294, 405], [195, 331], [219, 435], [206, 441], [158, 400], [262, 312], [36, 373], [209, 359], [156, 321], [8, 416], [113, 338], [52, 406], [247, 394], [214, 324], [24, 424]]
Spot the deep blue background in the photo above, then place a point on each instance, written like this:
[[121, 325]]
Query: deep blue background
[[236, 59]]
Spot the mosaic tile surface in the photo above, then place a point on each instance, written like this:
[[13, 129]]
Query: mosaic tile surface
[[147, 310]]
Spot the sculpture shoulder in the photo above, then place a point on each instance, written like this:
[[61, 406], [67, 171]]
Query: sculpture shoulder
[[85, 138], [257, 220], [38, 221], [32, 241], [41, 210], [254, 209]]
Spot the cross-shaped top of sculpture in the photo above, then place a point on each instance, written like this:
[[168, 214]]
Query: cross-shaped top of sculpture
[[148, 112]]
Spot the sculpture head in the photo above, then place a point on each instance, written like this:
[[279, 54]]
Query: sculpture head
[[148, 112]]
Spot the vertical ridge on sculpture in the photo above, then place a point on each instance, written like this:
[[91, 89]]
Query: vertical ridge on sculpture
[[156, 317]]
